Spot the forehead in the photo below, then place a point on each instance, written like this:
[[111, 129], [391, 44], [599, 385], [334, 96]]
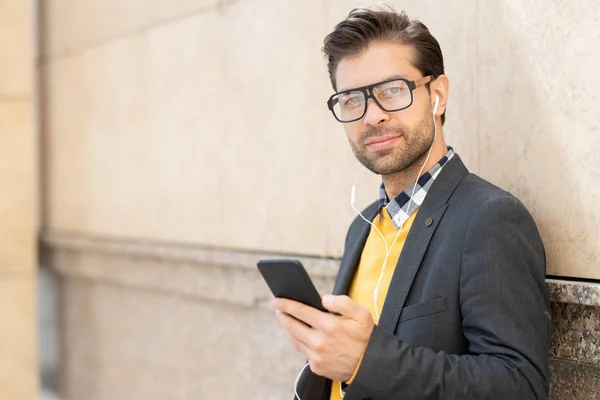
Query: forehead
[[378, 62]]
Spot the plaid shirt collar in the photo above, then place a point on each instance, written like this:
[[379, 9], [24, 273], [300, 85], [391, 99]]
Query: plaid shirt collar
[[398, 208]]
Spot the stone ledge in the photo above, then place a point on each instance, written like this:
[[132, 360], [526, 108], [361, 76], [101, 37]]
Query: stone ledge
[[208, 274], [583, 293], [323, 270], [322, 267]]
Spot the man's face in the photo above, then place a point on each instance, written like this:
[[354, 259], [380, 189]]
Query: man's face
[[387, 142]]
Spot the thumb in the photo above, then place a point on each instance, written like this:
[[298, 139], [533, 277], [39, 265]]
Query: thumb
[[344, 306]]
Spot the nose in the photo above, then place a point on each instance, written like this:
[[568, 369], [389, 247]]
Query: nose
[[375, 115]]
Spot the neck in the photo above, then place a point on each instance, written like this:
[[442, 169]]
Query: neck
[[398, 182]]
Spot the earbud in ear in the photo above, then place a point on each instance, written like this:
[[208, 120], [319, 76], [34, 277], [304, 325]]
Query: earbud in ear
[[437, 101]]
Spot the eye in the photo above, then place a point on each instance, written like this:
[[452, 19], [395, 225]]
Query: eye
[[352, 100], [394, 91]]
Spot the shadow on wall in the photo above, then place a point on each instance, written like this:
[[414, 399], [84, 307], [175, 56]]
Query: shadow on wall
[[48, 330]]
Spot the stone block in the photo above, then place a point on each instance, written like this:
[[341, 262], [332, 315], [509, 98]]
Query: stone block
[[17, 180]]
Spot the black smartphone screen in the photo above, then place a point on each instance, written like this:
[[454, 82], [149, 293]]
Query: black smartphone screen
[[288, 279]]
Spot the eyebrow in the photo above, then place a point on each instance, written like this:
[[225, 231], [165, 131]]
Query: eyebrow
[[390, 77]]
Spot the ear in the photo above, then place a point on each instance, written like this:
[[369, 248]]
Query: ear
[[440, 87]]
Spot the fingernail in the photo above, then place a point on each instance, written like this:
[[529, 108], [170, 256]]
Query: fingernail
[[327, 300], [274, 304]]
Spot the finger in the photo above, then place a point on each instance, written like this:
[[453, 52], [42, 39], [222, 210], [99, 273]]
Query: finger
[[345, 306], [296, 343], [296, 329], [301, 347], [307, 314]]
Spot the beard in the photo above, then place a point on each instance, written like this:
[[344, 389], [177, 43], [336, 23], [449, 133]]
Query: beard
[[417, 142]]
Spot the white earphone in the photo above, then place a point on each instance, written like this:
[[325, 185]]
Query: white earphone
[[388, 250]]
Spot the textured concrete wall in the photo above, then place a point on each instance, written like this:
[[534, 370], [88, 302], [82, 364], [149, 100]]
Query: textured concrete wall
[[18, 370]]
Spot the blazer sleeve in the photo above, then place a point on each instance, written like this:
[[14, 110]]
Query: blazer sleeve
[[505, 320]]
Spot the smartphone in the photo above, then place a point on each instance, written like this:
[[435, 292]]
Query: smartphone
[[289, 280]]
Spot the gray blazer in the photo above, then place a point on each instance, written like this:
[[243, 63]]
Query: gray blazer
[[467, 313]]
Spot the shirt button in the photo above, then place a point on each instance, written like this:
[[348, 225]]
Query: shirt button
[[428, 222]]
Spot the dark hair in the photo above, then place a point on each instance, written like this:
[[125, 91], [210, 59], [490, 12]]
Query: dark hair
[[364, 27]]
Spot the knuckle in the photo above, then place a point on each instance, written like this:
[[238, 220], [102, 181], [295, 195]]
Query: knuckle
[[316, 364], [319, 345], [330, 328], [366, 315]]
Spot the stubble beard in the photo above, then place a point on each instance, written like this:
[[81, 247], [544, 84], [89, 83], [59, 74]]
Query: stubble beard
[[417, 143]]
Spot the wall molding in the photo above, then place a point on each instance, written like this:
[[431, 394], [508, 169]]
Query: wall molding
[[209, 274], [61, 251]]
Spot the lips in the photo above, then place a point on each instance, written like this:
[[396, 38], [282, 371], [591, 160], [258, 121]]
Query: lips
[[381, 142]]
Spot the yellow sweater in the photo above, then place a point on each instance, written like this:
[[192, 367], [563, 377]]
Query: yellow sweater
[[369, 269]]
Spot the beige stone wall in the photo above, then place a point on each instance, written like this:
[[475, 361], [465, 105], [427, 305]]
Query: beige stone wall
[[205, 122], [173, 127], [18, 369]]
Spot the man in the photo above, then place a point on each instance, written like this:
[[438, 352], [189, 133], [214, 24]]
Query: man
[[440, 292]]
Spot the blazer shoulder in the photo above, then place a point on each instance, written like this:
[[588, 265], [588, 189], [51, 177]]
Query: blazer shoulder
[[477, 194], [478, 190]]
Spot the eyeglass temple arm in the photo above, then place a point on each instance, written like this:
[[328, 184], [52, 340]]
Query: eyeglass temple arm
[[423, 81]]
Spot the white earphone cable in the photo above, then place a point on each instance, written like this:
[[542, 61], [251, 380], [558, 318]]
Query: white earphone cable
[[388, 250], [298, 380]]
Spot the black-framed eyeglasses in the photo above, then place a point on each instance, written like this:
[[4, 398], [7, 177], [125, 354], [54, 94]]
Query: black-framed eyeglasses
[[391, 95]]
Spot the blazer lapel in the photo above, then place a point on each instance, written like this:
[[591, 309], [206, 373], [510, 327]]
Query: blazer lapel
[[417, 242], [410, 260], [352, 254]]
